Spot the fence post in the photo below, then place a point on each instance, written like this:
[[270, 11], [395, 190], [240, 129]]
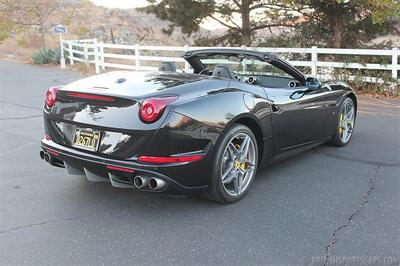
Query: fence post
[[101, 49], [314, 60], [96, 56], [395, 54], [71, 54], [137, 57], [62, 58], [187, 66], [86, 56], [244, 65]]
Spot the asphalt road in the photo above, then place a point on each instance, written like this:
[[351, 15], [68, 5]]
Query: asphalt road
[[335, 203]]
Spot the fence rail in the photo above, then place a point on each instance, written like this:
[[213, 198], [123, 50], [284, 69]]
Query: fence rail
[[136, 57]]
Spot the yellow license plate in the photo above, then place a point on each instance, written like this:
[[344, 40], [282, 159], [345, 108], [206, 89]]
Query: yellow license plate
[[86, 139]]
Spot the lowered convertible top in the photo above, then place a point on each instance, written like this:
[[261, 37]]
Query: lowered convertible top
[[193, 58]]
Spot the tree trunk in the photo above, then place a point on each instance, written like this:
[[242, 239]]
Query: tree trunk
[[43, 36], [337, 27], [246, 27], [112, 35]]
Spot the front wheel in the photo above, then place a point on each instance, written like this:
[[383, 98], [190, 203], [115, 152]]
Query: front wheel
[[345, 123], [235, 165]]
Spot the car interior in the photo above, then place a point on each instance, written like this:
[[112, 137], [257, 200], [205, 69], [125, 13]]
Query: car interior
[[167, 67], [243, 69]]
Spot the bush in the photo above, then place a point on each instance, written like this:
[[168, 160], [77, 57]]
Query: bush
[[386, 86], [3, 35], [22, 43], [47, 56]]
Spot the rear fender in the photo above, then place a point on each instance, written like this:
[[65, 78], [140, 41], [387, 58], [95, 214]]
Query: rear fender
[[219, 111]]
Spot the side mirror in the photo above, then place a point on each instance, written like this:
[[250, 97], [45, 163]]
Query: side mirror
[[313, 83]]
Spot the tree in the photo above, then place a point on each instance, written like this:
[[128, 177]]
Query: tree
[[242, 18], [387, 11], [333, 23], [32, 13], [343, 23]]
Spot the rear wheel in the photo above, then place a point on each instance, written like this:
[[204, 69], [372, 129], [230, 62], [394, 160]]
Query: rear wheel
[[235, 165], [345, 124]]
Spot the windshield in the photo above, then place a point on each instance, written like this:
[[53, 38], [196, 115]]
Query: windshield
[[242, 65]]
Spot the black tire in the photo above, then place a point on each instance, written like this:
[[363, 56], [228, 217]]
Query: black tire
[[216, 191], [336, 139]]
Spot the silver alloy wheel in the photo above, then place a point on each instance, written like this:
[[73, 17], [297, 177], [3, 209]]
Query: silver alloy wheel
[[238, 164], [346, 120]]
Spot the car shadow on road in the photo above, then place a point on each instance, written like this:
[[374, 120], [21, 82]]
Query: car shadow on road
[[136, 199]]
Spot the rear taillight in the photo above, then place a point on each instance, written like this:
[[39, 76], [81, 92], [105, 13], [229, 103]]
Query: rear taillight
[[51, 96], [152, 109]]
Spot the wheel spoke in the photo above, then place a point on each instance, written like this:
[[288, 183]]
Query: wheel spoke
[[233, 150], [350, 115], [346, 132], [236, 182], [248, 162], [244, 148], [248, 169], [350, 128], [227, 175], [239, 183]]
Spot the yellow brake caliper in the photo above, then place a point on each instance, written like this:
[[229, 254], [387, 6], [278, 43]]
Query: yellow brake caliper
[[340, 124], [238, 164]]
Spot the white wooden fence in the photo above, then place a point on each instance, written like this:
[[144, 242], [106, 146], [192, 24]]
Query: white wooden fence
[[136, 57]]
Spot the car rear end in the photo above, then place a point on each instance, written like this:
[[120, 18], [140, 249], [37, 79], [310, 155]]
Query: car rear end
[[127, 140]]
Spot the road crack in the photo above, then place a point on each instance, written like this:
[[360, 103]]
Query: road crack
[[21, 105], [20, 118], [357, 211], [36, 224], [380, 164]]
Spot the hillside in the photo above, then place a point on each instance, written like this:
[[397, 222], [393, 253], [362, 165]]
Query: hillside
[[123, 26]]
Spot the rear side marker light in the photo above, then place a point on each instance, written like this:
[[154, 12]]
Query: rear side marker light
[[90, 96], [177, 159], [54, 153], [122, 169]]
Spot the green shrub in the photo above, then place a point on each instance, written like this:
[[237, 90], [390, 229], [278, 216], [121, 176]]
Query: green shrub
[[386, 86], [47, 56], [22, 43], [3, 35]]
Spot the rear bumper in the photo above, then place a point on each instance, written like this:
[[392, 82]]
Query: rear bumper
[[120, 173]]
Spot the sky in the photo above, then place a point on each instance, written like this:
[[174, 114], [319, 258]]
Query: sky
[[123, 4], [120, 3]]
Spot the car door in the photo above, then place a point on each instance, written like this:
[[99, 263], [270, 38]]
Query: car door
[[298, 116]]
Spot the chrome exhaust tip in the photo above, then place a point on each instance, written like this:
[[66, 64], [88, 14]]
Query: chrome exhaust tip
[[41, 153], [156, 183], [47, 157], [140, 181]]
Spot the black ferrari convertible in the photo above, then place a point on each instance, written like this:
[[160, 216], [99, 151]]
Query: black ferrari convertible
[[203, 133]]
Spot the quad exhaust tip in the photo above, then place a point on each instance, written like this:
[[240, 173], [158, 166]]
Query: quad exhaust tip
[[140, 181], [156, 183], [45, 156]]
